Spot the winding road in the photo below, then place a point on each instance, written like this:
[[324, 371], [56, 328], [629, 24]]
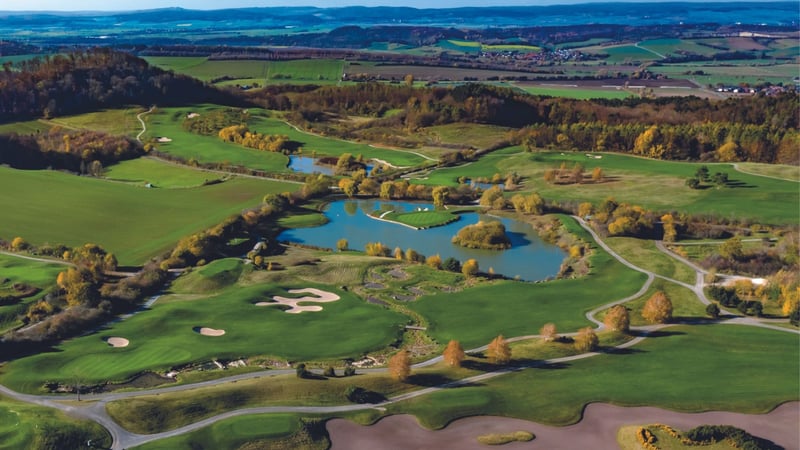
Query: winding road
[[93, 406]]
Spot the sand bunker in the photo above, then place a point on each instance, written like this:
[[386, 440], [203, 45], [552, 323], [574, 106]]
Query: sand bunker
[[320, 297], [117, 342], [205, 331], [192, 115], [164, 139]]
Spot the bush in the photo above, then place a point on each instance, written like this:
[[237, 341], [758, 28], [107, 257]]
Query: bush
[[357, 394], [329, 372], [712, 310], [349, 371], [301, 371]]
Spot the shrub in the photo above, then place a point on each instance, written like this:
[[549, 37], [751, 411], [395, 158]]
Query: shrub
[[329, 372], [349, 371], [712, 310], [301, 371]]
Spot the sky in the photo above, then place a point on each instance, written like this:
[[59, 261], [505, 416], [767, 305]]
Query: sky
[[131, 5]]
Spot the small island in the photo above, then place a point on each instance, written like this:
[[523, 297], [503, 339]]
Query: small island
[[484, 235], [418, 220]]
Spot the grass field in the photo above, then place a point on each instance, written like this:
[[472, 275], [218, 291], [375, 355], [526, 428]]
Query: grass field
[[653, 184], [233, 433], [163, 337], [643, 253], [472, 134], [33, 273], [27, 127], [783, 171], [159, 174], [250, 71], [132, 222], [623, 53], [712, 376], [167, 122], [422, 219], [111, 121], [574, 92], [474, 316], [23, 425]]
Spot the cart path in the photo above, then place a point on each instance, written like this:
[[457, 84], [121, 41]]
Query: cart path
[[144, 125], [122, 438]]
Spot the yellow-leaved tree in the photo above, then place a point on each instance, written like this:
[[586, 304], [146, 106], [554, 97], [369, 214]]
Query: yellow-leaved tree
[[453, 354], [400, 365], [658, 308], [499, 351]]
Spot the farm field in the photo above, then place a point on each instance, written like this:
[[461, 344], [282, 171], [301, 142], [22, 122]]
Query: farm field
[[573, 91], [649, 183], [228, 72], [710, 379], [146, 221]]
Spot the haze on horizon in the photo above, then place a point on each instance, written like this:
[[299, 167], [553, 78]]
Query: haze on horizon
[[137, 5]]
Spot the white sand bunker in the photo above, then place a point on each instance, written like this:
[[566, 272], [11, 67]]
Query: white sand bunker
[[117, 342], [164, 139], [205, 331], [320, 297]]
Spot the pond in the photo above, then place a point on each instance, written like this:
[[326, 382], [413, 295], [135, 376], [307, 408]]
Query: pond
[[530, 258], [308, 164]]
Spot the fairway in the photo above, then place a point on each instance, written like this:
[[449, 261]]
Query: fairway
[[422, 219], [654, 184], [134, 223], [164, 337], [711, 376], [157, 173]]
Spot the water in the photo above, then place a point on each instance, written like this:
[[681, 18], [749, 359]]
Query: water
[[529, 257], [308, 164]]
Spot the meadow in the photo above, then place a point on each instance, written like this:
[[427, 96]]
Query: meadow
[[229, 72], [164, 336], [711, 377], [650, 183], [158, 173], [133, 222], [15, 270]]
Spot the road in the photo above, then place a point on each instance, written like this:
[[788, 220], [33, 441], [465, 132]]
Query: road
[[93, 407]]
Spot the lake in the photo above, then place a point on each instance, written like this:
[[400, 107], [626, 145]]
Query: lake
[[529, 257], [308, 164]]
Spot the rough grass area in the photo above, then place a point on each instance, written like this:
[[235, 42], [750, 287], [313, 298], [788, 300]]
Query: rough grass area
[[505, 438], [111, 121], [626, 438], [14, 270], [643, 253], [157, 173], [23, 425], [711, 377], [132, 222]]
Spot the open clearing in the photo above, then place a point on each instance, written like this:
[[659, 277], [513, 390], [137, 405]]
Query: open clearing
[[145, 221]]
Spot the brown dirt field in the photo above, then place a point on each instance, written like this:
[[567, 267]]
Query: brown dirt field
[[597, 430], [744, 43]]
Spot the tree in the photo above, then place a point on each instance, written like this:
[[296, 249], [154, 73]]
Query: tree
[[498, 351], [617, 318], [453, 354], [400, 365], [348, 186], [586, 340], [440, 194], [470, 268], [451, 264], [585, 209], [387, 190], [408, 79], [669, 228], [434, 261], [712, 310], [493, 198], [549, 332], [301, 371], [342, 244], [597, 174], [658, 308], [18, 244], [732, 248]]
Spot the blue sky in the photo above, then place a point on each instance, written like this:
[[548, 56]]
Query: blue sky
[[129, 5]]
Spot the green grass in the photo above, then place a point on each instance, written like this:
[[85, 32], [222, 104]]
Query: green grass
[[163, 337], [654, 184], [27, 127], [210, 149], [111, 121], [510, 48], [474, 316], [232, 433], [686, 368], [673, 46], [623, 53], [475, 135], [19, 270], [160, 174], [422, 219], [179, 64], [248, 71], [132, 222], [216, 275], [643, 253], [784, 171], [23, 425], [575, 92]]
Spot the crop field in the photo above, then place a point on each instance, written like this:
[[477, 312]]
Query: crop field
[[210, 149], [474, 316], [165, 336], [425, 73], [709, 379], [622, 53], [574, 91], [23, 425], [649, 183], [157, 173], [15, 270], [745, 72], [673, 46], [145, 222]]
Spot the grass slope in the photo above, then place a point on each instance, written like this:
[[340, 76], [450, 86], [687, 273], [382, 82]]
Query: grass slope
[[18, 270], [134, 223], [159, 173], [712, 376]]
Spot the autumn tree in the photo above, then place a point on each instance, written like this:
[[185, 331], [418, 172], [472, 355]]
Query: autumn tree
[[528, 204], [498, 351], [549, 332], [585, 209], [387, 190], [586, 340], [732, 248], [597, 174], [18, 244], [434, 261], [453, 354], [617, 319], [400, 365], [440, 195], [470, 268], [658, 308], [348, 186], [670, 232], [493, 198], [342, 244]]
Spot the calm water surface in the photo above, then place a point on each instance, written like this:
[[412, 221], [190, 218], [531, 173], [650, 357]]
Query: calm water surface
[[529, 257]]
